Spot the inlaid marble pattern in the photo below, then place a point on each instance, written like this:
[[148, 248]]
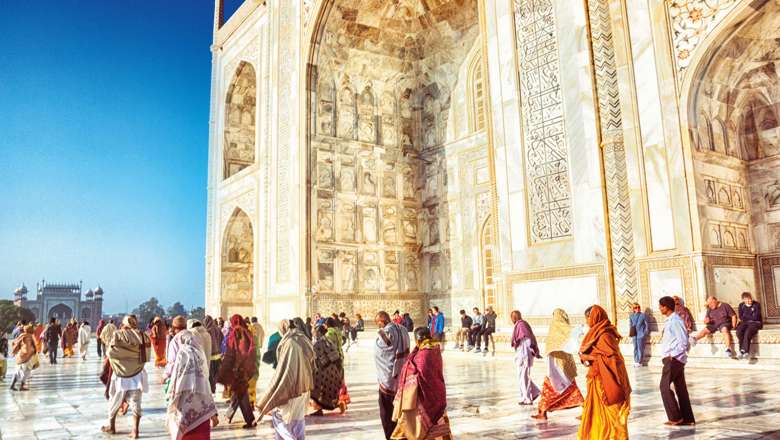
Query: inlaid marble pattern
[[544, 131], [66, 402]]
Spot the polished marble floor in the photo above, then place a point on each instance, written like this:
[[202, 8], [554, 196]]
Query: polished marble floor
[[66, 401]]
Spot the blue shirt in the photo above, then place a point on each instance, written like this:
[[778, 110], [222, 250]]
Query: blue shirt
[[674, 342], [639, 321]]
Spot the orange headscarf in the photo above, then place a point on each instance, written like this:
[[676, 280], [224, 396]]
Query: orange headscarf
[[602, 342]]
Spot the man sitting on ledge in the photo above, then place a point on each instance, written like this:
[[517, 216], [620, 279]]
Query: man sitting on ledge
[[720, 317]]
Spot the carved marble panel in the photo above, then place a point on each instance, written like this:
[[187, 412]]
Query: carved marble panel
[[347, 176], [390, 217], [348, 271], [368, 176], [240, 107], [544, 132], [325, 220], [389, 181], [410, 226], [347, 112], [369, 217], [325, 269], [366, 118], [325, 174], [411, 272], [326, 107], [346, 221], [409, 178], [389, 120]]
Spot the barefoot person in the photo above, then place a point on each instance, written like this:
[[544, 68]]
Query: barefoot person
[[287, 396], [85, 332], [608, 398], [560, 390], [127, 353], [23, 347], [159, 335], [526, 349]]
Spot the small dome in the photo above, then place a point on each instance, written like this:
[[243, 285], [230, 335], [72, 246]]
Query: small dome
[[89, 293], [99, 291], [21, 290]]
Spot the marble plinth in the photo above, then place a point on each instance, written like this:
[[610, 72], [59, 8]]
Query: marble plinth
[[66, 402]]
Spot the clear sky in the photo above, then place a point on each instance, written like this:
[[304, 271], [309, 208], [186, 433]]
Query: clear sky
[[104, 109]]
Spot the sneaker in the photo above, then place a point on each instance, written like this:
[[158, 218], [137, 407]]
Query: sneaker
[[479, 350], [637, 364], [728, 353]]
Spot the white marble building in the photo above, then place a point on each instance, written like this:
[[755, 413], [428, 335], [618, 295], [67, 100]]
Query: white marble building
[[524, 154]]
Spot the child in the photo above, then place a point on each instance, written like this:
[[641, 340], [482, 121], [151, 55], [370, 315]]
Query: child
[[3, 355]]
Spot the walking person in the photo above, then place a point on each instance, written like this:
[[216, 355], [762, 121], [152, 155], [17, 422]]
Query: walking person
[[288, 394], [52, 338], [3, 355], [638, 332], [23, 347], [128, 353], [329, 374], [334, 335], [70, 336], [390, 352], [98, 342], [608, 396], [158, 332], [560, 390], [526, 349], [191, 410], [674, 353], [85, 332], [238, 368], [750, 323], [215, 358]]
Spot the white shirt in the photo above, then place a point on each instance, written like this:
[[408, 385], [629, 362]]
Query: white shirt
[[674, 342]]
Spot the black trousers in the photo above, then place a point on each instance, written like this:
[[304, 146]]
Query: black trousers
[[485, 335], [100, 347], [474, 335], [213, 371], [52, 353], [745, 333], [386, 412], [676, 408], [242, 402]]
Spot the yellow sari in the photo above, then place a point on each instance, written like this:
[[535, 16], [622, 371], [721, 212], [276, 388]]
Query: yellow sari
[[599, 420]]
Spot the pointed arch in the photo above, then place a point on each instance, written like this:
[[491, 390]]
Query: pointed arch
[[240, 121], [237, 259]]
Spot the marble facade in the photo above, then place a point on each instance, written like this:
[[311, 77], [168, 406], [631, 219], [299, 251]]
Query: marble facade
[[518, 153]]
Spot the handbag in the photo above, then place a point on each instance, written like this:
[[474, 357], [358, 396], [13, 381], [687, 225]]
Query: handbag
[[632, 331]]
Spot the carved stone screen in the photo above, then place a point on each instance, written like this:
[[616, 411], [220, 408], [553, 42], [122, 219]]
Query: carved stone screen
[[240, 105], [544, 136]]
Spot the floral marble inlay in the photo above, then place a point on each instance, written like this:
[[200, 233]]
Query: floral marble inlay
[[691, 22]]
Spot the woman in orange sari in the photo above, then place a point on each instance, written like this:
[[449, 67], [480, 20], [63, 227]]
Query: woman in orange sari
[[608, 399], [37, 336], [159, 336], [69, 338]]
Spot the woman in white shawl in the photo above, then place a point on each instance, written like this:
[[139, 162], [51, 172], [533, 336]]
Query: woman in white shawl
[[85, 331], [191, 409]]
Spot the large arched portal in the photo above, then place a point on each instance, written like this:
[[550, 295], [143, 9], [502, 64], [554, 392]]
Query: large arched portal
[[237, 266], [733, 109], [395, 155], [61, 312], [240, 106]]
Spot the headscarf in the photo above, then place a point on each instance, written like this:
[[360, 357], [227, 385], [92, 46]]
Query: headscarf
[[300, 325], [559, 333], [215, 332], [421, 387], [284, 327], [189, 392], [238, 365], [523, 330], [602, 342]]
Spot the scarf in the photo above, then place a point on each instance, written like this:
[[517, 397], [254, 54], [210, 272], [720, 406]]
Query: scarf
[[557, 338], [129, 351], [300, 325], [215, 333], [602, 342], [522, 331], [421, 387], [295, 374], [189, 392], [23, 346]]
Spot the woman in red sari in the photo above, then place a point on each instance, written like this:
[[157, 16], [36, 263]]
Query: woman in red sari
[[159, 335], [420, 405], [238, 367]]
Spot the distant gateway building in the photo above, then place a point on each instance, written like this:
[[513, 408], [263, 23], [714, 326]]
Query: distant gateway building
[[62, 301]]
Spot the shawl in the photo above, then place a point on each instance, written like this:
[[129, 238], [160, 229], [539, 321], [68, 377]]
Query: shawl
[[557, 339], [23, 347], [329, 376], [189, 392], [239, 365], [129, 351], [522, 331], [421, 387], [84, 333], [108, 333], [300, 325], [204, 338], [335, 338], [295, 374], [602, 341], [215, 333]]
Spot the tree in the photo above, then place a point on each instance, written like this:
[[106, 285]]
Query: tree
[[11, 313], [177, 309], [198, 313], [148, 310]]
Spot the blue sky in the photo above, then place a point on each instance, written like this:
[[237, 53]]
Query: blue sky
[[103, 146]]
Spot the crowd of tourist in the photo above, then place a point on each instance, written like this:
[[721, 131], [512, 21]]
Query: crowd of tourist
[[308, 359]]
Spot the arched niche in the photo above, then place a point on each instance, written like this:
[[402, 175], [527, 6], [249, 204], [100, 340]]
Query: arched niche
[[240, 121], [237, 259], [62, 312]]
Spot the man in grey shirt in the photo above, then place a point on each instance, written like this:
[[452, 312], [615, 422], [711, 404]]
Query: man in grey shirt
[[476, 329], [390, 352]]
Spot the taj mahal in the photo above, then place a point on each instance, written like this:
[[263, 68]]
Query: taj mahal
[[519, 154]]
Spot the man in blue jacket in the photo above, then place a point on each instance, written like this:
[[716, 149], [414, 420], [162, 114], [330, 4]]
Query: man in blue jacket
[[437, 324], [639, 331]]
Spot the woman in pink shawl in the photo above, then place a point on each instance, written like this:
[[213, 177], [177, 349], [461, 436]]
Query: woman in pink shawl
[[420, 405], [191, 408], [526, 349]]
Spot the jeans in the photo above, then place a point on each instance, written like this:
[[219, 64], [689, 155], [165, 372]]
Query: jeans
[[474, 336], [639, 349], [745, 333], [485, 334]]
